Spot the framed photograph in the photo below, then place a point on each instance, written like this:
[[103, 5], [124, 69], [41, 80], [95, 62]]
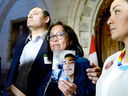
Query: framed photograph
[[63, 65], [18, 32]]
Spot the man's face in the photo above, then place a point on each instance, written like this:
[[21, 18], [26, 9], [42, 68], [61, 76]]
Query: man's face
[[36, 18], [68, 66]]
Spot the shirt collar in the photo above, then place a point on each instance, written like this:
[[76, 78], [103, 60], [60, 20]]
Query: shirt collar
[[43, 35]]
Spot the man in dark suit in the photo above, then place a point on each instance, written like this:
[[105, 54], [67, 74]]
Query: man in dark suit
[[28, 70]]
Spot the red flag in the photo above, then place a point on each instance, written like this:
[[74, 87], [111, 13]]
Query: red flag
[[92, 53]]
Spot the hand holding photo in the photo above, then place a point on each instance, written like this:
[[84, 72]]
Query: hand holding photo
[[63, 65]]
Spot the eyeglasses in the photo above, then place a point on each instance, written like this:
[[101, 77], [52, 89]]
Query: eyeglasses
[[59, 35]]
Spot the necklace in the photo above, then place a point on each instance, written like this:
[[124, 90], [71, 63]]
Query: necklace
[[121, 67]]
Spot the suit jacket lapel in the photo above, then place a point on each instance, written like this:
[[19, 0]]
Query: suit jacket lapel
[[18, 52], [41, 51], [15, 61]]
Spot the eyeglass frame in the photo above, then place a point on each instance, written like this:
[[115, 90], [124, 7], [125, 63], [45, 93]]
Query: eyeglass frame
[[48, 37]]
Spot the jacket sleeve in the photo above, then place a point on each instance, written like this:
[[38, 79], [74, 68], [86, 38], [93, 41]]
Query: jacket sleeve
[[49, 88], [85, 86]]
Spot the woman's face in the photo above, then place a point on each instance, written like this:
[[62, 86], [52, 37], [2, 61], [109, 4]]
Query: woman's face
[[60, 44], [68, 66], [118, 20]]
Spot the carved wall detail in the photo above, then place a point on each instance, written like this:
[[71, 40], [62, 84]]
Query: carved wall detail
[[63, 19], [86, 11], [84, 42], [84, 26], [93, 0]]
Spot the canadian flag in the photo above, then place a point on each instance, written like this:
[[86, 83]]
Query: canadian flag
[[92, 53]]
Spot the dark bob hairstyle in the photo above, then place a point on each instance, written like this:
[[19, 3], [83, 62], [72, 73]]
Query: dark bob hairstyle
[[75, 45]]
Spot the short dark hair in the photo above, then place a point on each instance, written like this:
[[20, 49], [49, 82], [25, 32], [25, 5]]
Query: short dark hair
[[69, 55], [75, 45], [46, 13]]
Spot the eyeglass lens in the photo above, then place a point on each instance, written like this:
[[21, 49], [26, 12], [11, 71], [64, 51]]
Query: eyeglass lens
[[58, 35]]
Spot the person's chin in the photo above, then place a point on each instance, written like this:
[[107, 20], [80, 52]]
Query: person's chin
[[114, 37], [29, 26], [56, 48]]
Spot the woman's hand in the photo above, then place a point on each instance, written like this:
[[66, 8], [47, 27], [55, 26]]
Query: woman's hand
[[68, 88], [94, 73]]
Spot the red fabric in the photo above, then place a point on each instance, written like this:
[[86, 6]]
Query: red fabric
[[92, 47]]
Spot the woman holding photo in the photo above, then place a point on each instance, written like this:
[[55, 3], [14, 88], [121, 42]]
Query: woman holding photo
[[63, 37]]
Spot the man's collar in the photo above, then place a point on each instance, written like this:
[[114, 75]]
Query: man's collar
[[43, 35]]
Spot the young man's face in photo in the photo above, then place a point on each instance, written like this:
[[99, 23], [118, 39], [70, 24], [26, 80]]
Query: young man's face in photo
[[69, 63]]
